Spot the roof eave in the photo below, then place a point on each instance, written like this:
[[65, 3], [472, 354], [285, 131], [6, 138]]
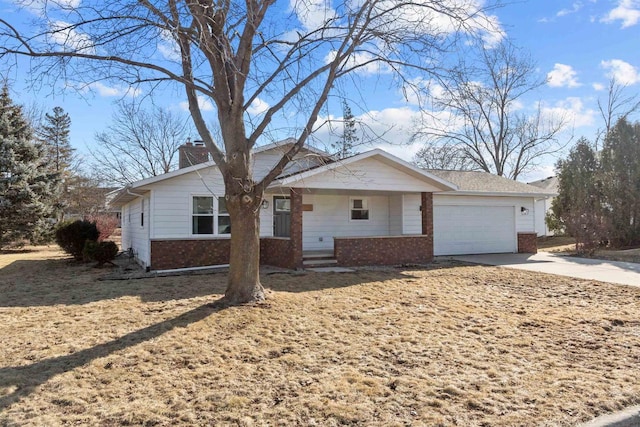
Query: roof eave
[[496, 194]]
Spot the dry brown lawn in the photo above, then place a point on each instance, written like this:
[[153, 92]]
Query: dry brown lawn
[[442, 346]]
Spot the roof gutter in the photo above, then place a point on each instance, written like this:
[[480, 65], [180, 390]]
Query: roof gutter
[[131, 193]]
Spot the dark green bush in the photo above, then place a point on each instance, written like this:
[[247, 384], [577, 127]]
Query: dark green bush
[[71, 236], [102, 252]]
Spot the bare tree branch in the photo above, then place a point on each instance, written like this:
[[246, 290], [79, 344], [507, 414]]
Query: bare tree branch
[[486, 124]]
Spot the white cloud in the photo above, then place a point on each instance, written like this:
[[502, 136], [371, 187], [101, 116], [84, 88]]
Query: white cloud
[[169, 51], [203, 103], [365, 62], [598, 86], [622, 72], [40, 7], [417, 17], [168, 47], [627, 11], [422, 17], [313, 14], [575, 7], [562, 76], [257, 107], [112, 91], [573, 110], [390, 129], [69, 39]]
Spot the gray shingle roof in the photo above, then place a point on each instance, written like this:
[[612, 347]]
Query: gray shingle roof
[[486, 182], [550, 183]]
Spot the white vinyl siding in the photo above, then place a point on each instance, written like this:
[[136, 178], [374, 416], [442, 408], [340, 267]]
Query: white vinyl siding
[[135, 236], [395, 214], [331, 217], [542, 207], [411, 214], [172, 204], [367, 174]]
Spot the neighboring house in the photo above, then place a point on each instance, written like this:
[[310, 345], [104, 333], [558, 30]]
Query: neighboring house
[[371, 208], [543, 206]]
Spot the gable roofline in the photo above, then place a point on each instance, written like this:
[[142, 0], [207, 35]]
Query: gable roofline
[[118, 194], [377, 152], [211, 163]]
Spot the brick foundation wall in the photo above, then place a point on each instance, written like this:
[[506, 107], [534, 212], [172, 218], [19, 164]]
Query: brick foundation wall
[[276, 251], [356, 251], [528, 243], [169, 254]]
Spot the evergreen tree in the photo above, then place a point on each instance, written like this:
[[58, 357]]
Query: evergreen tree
[[579, 209], [54, 134], [25, 182], [621, 168], [344, 147]]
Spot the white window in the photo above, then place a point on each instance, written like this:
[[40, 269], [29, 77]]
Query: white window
[[142, 213], [224, 222], [359, 209], [207, 221], [283, 204], [202, 215]]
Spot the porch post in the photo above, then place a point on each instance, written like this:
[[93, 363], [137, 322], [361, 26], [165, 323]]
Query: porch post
[[296, 227], [427, 219]]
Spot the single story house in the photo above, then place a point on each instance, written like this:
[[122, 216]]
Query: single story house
[[543, 205], [371, 208]]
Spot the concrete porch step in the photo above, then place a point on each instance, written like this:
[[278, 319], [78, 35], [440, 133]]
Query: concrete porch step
[[325, 262], [318, 255]]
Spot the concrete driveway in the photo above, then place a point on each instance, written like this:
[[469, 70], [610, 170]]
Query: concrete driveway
[[624, 273]]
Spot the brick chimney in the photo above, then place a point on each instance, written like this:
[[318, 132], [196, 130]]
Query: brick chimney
[[192, 153]]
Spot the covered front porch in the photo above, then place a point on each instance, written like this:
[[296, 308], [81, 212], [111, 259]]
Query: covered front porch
[[348, 228]]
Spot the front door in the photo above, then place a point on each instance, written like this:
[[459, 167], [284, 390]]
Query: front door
[[281, 216]]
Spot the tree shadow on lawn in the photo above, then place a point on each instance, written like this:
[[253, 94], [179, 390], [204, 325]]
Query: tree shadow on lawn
[[33, 283], [308, 281], [37, 283], [22, 380]]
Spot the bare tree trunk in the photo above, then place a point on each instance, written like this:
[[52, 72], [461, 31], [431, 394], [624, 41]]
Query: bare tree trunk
[[244, 263]]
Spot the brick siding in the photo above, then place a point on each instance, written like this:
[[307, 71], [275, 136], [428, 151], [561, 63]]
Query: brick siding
[[427, 217], [296, 227], [385, 250], [276, 251], [170, 254], [527, 243]]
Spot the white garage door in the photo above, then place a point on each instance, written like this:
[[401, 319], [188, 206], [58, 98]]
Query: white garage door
[[461, 230]]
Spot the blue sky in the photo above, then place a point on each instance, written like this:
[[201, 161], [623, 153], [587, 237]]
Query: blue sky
[[578, 47]]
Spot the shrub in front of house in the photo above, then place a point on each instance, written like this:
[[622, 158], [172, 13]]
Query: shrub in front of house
[[72, 236], [105, 223], [102, 252]]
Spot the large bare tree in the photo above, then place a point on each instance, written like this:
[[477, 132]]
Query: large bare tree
[[618, 105], [486, 124], [139, 143], [235, 54]]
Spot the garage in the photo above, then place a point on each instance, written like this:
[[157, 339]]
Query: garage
[[464, 229]]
